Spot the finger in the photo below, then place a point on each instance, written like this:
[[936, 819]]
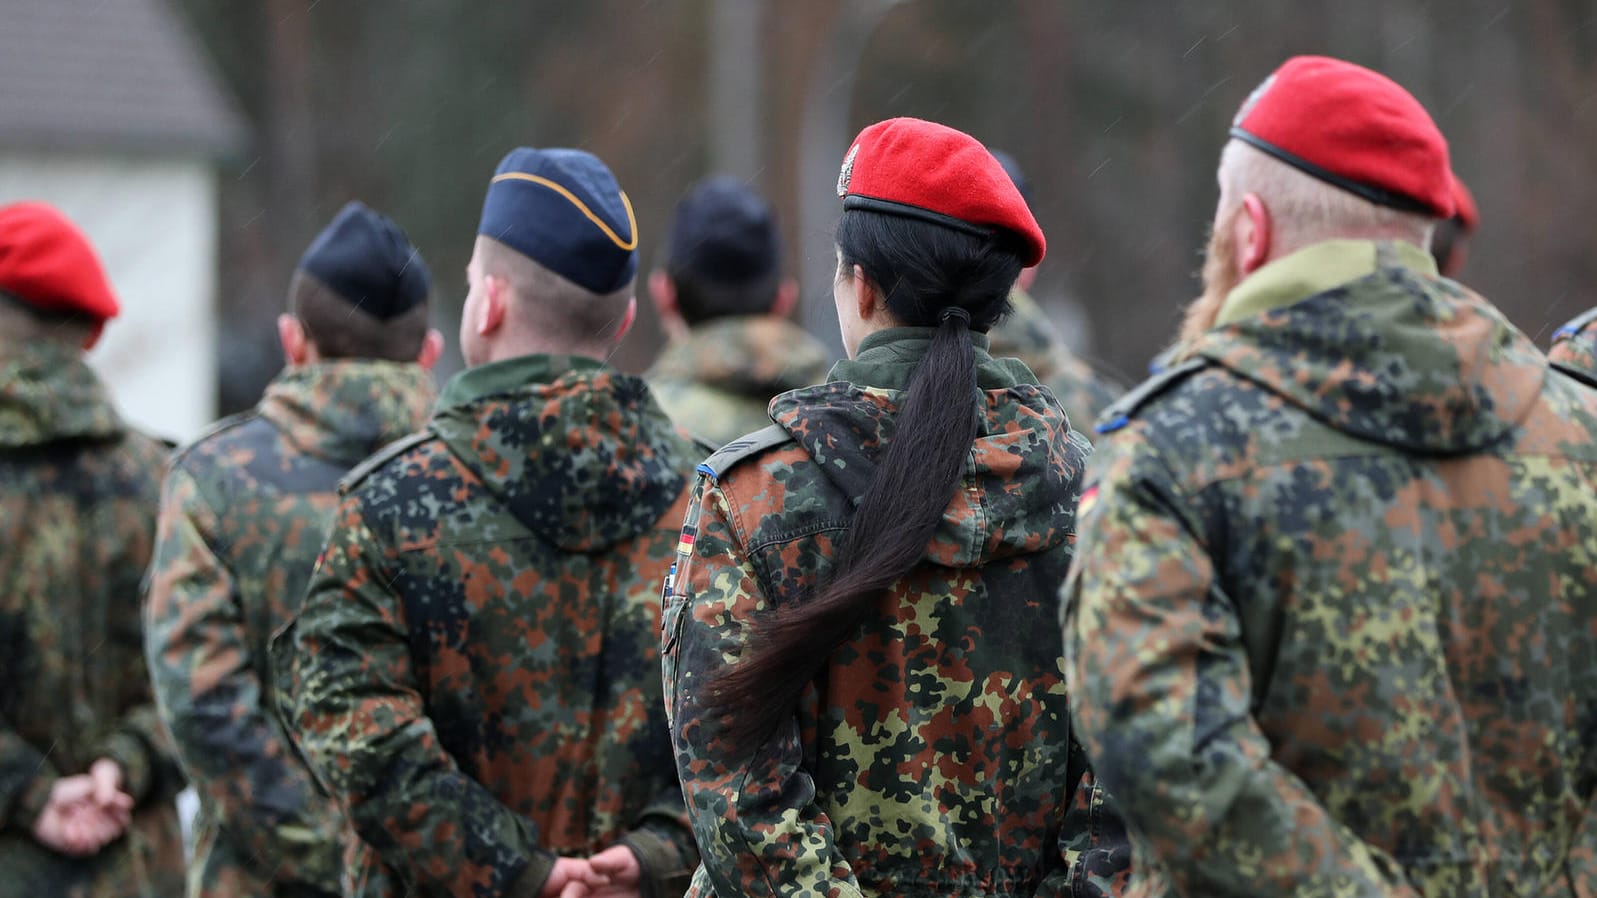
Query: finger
[[117, 799], [107, 783], [574, 889], [608, 864], [70, 789]]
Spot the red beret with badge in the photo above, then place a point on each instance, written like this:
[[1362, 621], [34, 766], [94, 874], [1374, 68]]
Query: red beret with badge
[[46, 262], [930, 172], [1352, 128]]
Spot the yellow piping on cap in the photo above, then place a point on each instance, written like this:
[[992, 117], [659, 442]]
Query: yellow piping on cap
[[632, 222]]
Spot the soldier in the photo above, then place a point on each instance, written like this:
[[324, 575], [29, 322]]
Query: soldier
[[866, 701], [1027, 334], [476, 672], [1330, 629], [725, 305], [86, 777], [244, 511], [1574, 349]]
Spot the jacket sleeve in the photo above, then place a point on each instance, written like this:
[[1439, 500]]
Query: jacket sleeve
[[663, 844], [26, 777], [753, 808], [213, 701], [360, 718], [1161, 701], [138, 740]]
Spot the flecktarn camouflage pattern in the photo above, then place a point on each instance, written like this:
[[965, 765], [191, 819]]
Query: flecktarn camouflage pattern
[[933, 756], [476, 666], [1332, 629], [244, 513], [1574, 349], [1028, 335], [718, 382], [78, 494]]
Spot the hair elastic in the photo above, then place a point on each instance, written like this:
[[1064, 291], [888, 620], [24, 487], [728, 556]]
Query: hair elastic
[[955, 312]]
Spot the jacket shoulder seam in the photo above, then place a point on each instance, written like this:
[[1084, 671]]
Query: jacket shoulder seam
[[211, 433], [358, 474], [1123, 410]]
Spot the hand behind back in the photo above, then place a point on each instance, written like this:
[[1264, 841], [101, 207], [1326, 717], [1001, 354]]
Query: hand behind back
[[86, 812]]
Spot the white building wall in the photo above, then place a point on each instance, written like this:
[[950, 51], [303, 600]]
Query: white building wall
[[154, 223]]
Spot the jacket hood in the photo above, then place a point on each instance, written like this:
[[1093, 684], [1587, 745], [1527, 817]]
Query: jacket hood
[[757, 356], [577, 452], [1021, 477], [344, 411], [1395, 355], [49, 393]]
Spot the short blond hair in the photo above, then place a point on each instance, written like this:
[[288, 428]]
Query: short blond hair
[[1305, 210], [559, 314]]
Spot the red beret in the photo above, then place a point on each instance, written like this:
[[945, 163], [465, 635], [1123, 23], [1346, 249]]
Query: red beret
[[46, 262], [1464, 206], [1353, 128], [920, 169]]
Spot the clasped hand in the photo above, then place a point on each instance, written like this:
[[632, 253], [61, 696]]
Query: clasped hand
[[612, 873], [85, 812]]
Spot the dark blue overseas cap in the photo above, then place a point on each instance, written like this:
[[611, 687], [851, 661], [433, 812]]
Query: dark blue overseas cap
[[366, 259], [564, 210], [725, 233]]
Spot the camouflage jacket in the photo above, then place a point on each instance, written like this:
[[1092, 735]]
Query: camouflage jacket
[[1028, 335], [78, 493], [1574, 349], [1330, 629], [718, 382], [244, 513], [932, 756], [477, 663]]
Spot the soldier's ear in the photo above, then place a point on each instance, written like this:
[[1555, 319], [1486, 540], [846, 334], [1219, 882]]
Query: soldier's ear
[[1256, 234], [627, 319], [432, 346], [1028, 276], [787, 295], [866, 297], [663, 293], [296, 344], [495, 301]]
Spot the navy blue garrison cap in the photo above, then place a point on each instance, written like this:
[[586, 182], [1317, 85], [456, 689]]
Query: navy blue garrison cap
[[564, 210], [366, 259], [725, 233]]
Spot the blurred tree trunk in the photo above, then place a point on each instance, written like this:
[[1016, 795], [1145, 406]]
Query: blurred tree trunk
[[291, 144], [823, 141], [736, 87]]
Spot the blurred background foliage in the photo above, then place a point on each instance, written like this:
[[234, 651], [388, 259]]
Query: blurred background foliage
[[1116, 110]]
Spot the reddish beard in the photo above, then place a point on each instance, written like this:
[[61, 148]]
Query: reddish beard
[[1220, 277]]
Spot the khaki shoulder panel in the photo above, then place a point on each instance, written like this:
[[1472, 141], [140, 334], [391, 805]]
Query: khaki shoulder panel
[[746, 447]]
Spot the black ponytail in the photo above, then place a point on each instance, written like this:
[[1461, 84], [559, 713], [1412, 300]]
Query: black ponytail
[[929, 276]]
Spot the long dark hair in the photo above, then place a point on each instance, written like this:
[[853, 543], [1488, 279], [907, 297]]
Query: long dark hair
[[923, 270]]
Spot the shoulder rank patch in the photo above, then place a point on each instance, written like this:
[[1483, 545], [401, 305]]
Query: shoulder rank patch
[[1577, 324], [381, 457], [723, 459], [1123, 410]]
